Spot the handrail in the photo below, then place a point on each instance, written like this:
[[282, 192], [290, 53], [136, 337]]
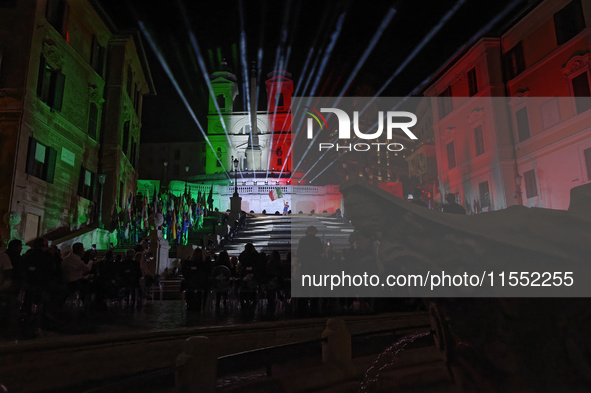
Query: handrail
[[363, 344]]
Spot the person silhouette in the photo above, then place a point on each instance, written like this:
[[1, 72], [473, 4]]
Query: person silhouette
[[451, 206]]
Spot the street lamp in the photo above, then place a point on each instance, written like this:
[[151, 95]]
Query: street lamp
[[235, 162], [518, 188], [165, 163], [101, 178]]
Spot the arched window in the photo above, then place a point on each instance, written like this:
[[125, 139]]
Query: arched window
[[246, 130], [221, 101], [219, 154]]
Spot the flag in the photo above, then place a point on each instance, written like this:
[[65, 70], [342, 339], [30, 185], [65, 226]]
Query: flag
[[210, 197], [144, 216], [129, 205], [145, 225], [173, 230], [276, 194]]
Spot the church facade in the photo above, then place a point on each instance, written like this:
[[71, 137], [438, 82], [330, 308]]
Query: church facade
[[257, 165]]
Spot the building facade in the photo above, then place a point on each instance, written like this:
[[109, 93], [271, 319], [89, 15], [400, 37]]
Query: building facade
[[546, 60], [508, 129], [71, 87]]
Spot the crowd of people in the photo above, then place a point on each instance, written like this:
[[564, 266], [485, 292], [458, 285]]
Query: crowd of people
[[36, 288], [250, 276], [43, 288]]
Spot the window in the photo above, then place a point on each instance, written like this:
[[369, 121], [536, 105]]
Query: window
[[203, 162], [522, 124], [513, 60], [472, 82], [550, 114], [479, 140], [86, 184], [587, 153], [581, 89], [451, 155], [133, 152], [56, 13], [445, 103], [41, 160], [279, 161], [484, 192], [97, 57], [125, 142], [121, 196], [219, 157], [50, 85], [92, 120], [568, 22], [129, 81], [137, 100], [221, 101], [279, 100], [531, 188]]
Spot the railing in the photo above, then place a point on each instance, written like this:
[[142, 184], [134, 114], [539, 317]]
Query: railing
[[179, 187], [364, 344]]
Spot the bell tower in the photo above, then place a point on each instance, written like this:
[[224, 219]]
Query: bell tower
[[279, 91], [225, 89], [279, 94]]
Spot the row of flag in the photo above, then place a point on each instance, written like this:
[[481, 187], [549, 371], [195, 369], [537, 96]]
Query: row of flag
[[180, 213]]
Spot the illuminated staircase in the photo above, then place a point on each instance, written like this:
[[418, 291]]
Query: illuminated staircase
[[268, 233]]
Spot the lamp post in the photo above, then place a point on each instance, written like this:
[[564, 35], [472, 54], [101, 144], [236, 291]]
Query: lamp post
[[164, 179], [518, 189], [101, 178], [235, 163]]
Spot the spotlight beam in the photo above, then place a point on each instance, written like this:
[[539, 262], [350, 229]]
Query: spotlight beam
[[178, 89], [468, 43], [244, 64], [374, 40], [326, 55]]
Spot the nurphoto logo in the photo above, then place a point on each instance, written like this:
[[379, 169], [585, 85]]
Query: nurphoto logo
[[395, 120]]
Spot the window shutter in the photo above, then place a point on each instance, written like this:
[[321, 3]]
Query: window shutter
[[92, 120], [31, 155], [41, 77], [102, 60], [94, 182], [59, 91], [94, 54], [81, 181], [51, 162], [65, 13], [587, 153]]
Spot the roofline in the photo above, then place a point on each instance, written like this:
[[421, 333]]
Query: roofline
[[494, 33], [144, 61], [137, 39]]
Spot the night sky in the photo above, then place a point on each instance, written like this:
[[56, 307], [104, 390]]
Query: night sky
[[294, 27]]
